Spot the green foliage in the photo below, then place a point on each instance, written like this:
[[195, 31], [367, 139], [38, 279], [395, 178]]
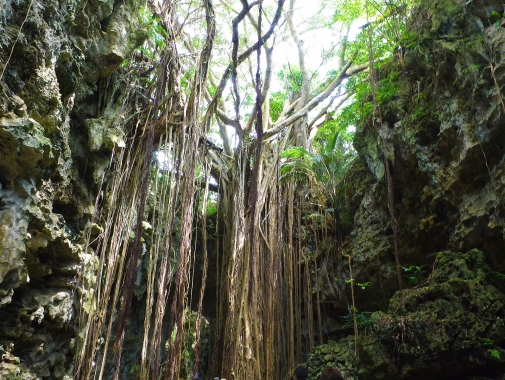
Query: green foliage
[[348, 12], [212, 90], [383, 35], [387, 88], [363, 285], [154, 43], [292, 78], [385, 31], [472, 68], [156, 31], [325, 139], [327, 166], [410, 40], [157, 34], [413, 274], [488, 342], [361, 105], [364, 320], [499, 276], [418, 113], [189, 340], [277, 100], [495, 353], [323, 167], [249, 99], [135, 372], [187, 78], [211, 209], [299, 164], [396, 329]]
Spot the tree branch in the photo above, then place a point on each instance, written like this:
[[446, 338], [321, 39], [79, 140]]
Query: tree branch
[[224, 137], [235, 40], [228, 121], [300, 132], [325, 109], [241, 58], [346, 72], [264, 90]]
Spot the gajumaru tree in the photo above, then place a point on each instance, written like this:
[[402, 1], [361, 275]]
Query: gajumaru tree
[[201, 96]]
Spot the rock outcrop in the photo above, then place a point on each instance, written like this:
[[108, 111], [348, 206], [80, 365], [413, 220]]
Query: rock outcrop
[[55, 57], [451, 327], [445, 148]]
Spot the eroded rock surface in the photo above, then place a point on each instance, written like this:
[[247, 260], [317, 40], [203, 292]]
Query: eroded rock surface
[[451, 327], [445, 146], [60, 61]]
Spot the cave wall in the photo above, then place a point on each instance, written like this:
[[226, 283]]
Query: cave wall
[[57, 58]]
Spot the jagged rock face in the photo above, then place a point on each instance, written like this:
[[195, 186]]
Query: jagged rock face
[[444, 139], [445, 145], [455, 133], [49, 105]]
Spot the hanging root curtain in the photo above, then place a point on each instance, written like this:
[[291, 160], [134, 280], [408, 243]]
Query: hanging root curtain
[[148, 213]]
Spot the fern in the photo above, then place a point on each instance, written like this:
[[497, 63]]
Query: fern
[[323, 169], [495, 353]]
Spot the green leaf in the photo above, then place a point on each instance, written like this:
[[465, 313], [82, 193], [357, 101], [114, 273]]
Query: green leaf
[[295, 152], [495, 353], [488, 342]]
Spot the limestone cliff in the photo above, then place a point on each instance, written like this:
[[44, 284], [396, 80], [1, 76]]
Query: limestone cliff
[[444, 138], [55, 57]]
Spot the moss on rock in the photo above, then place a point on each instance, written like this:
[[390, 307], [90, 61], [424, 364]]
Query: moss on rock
[[450, 327]]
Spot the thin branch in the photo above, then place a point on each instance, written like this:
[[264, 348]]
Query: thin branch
[[300, 132], [325, 109], [346, 72], [225, 138], [228, 121], [234, 55], [265, 88], [241, 58]]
